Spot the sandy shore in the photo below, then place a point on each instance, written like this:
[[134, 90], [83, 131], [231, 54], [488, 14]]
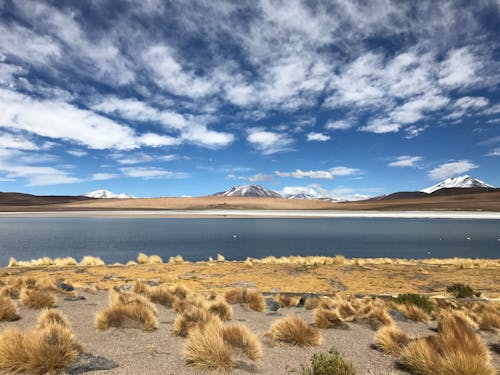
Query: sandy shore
[[160, 352], [261, 214]]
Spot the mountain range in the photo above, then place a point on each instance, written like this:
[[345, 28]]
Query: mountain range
[[106, 194]]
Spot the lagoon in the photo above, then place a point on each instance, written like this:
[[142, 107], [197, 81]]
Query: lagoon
[[120, 239]]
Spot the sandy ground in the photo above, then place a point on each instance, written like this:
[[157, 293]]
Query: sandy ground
[[160, 352], [261, 214]]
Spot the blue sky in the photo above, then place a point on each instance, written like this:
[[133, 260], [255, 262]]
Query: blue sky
[[334, 98]]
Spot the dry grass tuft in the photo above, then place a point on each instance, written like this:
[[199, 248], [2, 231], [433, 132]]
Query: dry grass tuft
[[8, 310], [221, 309], [89, 261], [180, 291], [128, 310], [346, 310], [489, 321], [287, 301], [327, 318], [65, 262], [414, 313], [295, 331], [236, 295], [220, 258], [176, 260], [193, 300], [206, 348], [51, 316], [190, 318], [155, 259], [256, 301], [37, 299], [448, 320], [162, 296], [456, 349], [10, 292], [376, 318], [142, 258], [391, 339], [45, 350], [239, 336], [141, 288], [311, 303]]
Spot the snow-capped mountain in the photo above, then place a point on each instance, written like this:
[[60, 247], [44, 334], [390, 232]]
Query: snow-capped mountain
[[106, 194], [301, 196], [249, 191], [457, 182]]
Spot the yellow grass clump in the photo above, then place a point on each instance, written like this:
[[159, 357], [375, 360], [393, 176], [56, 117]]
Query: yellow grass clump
[[176, 260], [391, 339], [221, 309], [141, 288], [254, 299], [37, 299], [155, 259], [239, 336], [190, 318], [295, 331], [12, 262], [220, 258], [376, 318], [51, 316], [206, 349], [327, 318], [456, 349], [311, 303], [142, 258], [162, 296], [131, 263], [414, 313], [89, 261], [8, 310], [128, 310], [10, 291], [65, 262], [48, 349], [211, 347], [287, 301]]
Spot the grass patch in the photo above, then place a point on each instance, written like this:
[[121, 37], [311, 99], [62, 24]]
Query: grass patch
[[462, 291], [295, 331], [414, 299], [328, 364], [8, 310], [37, 299], [391, 339]]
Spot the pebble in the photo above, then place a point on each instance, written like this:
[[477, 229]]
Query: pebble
[[87, 362], [271, 304]]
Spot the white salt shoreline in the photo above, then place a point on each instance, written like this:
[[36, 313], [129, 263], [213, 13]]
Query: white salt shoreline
[[261, 214]]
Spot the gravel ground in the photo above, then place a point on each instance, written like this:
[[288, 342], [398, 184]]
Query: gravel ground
[[137, 352]]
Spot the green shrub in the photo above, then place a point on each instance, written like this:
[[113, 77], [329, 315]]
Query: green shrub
[[329, 364], [462, 291], [416, 300]]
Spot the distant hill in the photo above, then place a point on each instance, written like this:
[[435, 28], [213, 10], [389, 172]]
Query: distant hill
[[20, 199]]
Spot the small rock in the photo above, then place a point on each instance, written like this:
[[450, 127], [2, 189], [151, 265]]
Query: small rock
[[274, 313], [74, 298], [271, 304], [64, 286], [80, 270], [125, 287], [154, 282], [87, 362], [398, 316], [110, 277], [304, 297], [290, 368]]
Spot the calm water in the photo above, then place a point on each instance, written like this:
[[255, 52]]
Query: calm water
[[119, 240]]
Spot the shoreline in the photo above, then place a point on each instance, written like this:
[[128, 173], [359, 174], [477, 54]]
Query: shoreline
[[488, 215]]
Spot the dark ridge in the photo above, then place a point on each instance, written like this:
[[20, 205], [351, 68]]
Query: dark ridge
[[20, 199]]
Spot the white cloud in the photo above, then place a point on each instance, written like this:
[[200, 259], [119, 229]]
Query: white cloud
[[260, 177], [467, 102], [150, 173], [406, 161], [71, 123], [77, 153], [381, 126], [320, 174], [103, 176], [339, 125], [317, 137], [17, 141], [415, 109], [323, 175], [268, 142], [451, 169], [494, 152], [459, 68]]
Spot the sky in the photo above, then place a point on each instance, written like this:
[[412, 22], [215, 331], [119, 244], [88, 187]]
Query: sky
[[346, 99]]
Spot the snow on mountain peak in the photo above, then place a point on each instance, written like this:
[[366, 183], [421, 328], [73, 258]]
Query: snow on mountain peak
[[106, 194], [457, 182], [249, 191]]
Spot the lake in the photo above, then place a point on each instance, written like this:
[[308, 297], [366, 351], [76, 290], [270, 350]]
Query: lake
[[120, 239]]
